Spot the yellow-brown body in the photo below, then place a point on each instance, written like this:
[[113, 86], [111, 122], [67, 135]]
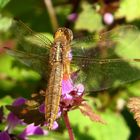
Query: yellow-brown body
[[59, 66]]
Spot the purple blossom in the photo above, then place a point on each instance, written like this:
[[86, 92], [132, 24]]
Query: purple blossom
[[42, 108], [67, 85], [19, 101], [108, 18], [80, 89], [55, 125], [72, 17], [32, 130], [71, 98], [13, 121], [71, 95], [4, 136]]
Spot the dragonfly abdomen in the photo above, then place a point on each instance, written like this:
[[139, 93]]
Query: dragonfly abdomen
[[53, 93], [59, 63]]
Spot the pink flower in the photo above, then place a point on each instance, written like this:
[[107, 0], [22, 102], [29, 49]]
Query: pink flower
[[71, 95], [72, 17], [108, 18]]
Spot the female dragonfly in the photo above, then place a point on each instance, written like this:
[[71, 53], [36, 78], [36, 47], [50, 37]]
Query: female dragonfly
[[98, 61]]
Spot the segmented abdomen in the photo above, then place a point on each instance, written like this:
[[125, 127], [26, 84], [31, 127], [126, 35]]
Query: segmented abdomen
[[53, 93]]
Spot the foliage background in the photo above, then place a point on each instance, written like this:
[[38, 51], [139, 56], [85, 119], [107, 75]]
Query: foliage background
[[16, 80]]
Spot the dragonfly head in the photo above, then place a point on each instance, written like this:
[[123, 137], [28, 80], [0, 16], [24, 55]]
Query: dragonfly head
[[63, 35]]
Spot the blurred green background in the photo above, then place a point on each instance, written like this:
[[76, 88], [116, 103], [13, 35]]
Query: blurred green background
[[83, 17]]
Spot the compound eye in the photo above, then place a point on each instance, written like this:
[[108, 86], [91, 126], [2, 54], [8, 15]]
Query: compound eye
[[70, 34]]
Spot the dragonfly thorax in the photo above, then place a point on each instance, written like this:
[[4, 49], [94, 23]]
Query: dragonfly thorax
[[61, 46], [63, 35]]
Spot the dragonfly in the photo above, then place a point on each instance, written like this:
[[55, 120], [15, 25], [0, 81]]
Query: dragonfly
[[96, 60]]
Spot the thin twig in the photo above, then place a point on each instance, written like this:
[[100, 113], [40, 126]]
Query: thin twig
[[48, 4], [67, 122]]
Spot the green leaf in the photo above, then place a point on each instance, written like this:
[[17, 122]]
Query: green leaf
[[3, 3], [130, 9], [51, 136], [91, 22], [5, 23], [6, 100], [62, 13], [6, 61], [134, 89], [116, 127]]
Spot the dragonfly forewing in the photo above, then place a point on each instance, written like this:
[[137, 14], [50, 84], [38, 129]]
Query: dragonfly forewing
[[28, 40], [107, 59], [122, 37]]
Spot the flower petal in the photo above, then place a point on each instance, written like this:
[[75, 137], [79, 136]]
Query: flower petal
[[55, 125], [72, 17], [42, 108], [19, 101], [67, 86], [108, 18], [12, 121], [80, 89], [4, 136], [32, 130]]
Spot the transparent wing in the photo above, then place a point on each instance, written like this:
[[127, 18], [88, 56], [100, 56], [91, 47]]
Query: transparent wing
[[100, 74], [107, 59], [29, 41], [92, 45], [32, 48], [36, 62]]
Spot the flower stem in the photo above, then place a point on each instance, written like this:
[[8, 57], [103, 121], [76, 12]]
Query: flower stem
[[48, 4], [67, 122]]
